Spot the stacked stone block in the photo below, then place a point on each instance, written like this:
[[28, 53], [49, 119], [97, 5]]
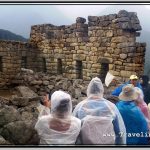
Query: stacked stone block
[[85, 50], [109, 39], [11, 54]]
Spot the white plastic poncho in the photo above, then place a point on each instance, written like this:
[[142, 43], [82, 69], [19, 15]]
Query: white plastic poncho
[[49, 127], [43, 110], [101, 121], [95, 88]]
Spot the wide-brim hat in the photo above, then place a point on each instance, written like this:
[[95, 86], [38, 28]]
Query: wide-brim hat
[[133, 77], [128, 93]]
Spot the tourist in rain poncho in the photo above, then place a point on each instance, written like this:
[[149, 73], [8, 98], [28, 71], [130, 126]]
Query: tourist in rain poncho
[[44, 106], [133, 80], [60, 127], [142, 105], [101, 120], [135, 121]]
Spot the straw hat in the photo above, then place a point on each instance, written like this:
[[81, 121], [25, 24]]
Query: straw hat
[[133, 77], [128, 93]]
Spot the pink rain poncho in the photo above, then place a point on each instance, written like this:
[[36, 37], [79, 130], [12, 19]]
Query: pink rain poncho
[[60, 127], [142, 105]]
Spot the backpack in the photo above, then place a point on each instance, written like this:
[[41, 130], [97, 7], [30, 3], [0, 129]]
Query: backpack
[[97, 130]]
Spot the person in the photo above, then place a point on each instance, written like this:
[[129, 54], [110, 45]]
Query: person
[[101, 120], [59, 127], [149, 107], [44, 107], [134, 119], [133, 80], [144, 79], [142, 105]]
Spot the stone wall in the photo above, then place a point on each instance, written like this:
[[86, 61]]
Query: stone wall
[[14, 56], [18, 117], [78, 51], [10, 60], [42, 83], [106, 43]]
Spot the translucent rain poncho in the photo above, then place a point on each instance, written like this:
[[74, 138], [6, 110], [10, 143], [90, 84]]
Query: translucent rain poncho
[[101, 121], [60, 127], [43, 110], [95, 88]]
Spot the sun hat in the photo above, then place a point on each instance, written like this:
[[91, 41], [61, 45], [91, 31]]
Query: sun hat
[[128, 93], [133, 77]]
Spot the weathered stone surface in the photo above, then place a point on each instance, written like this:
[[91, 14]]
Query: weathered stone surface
[[20, 101], [119, 39], [3, 141], [109, 33], [45, 82], [18, 132], [50, 87], [117, 51], [80, 20], [125, 73], [29, 71], [26, 92], [118, 63], [115, 73], [123, 13], [123, 56], [8, 114], [92, 18], [51, 49], [36, 82]]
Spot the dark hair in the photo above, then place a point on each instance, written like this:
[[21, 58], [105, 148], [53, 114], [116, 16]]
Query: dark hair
[[95, 88], [145, 79], [63, 106], [41, 100]]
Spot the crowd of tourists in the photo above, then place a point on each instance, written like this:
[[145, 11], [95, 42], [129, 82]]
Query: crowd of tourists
[[96, 120]]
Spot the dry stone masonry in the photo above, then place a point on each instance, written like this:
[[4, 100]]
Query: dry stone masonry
[[78, 51]]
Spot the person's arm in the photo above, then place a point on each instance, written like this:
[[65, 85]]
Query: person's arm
[[77, 108], [139, 86], [44, 111], [38, 127], [117, 91], [119, 128], [46, 106]]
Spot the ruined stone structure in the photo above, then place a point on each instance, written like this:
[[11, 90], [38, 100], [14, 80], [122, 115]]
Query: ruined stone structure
[[106, 43]]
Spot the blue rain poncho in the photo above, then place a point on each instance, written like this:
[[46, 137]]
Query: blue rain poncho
[[118, 90], [97, 115], [135, 123]]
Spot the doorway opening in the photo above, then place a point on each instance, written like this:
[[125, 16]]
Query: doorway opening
[[1, 64], [103, 71], [79, 68], [44, 65], [24, 62], [59, 66]]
